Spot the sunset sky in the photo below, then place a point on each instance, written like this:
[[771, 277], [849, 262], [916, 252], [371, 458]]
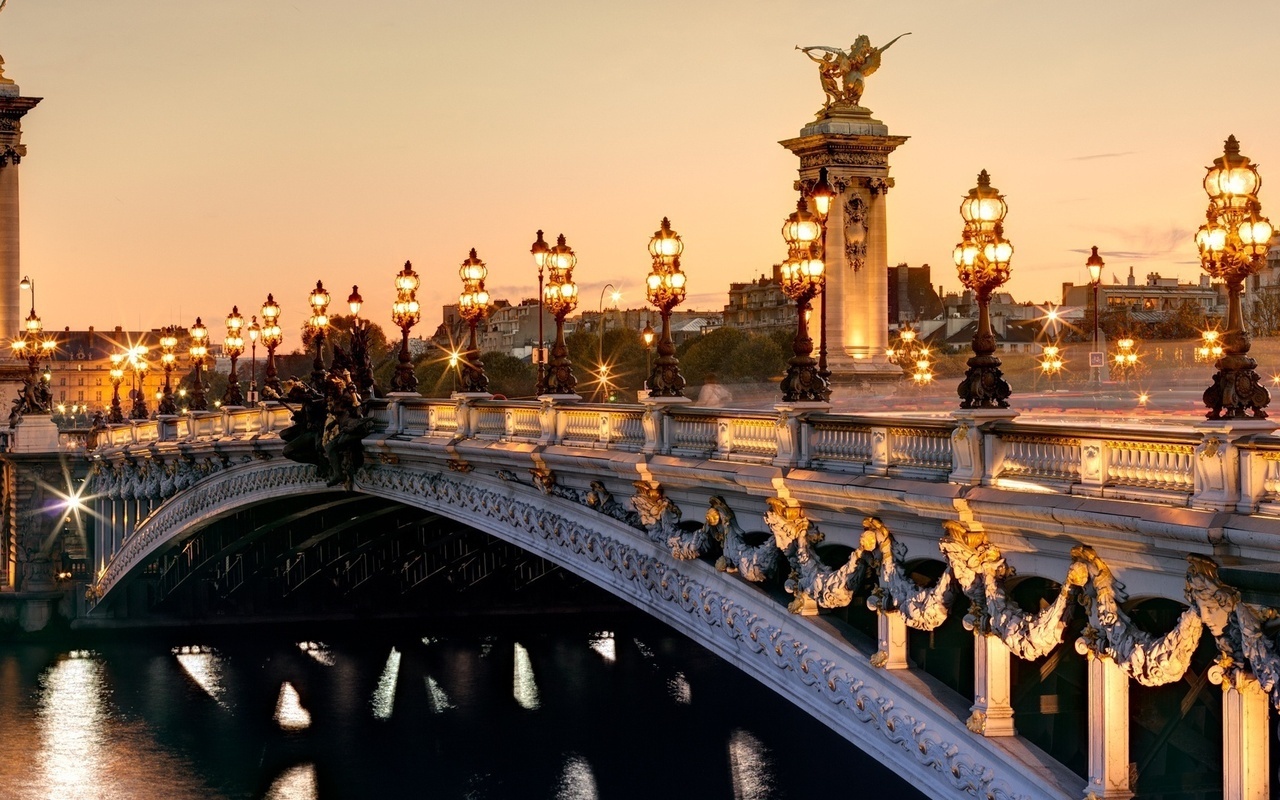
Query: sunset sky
[[190, 156]]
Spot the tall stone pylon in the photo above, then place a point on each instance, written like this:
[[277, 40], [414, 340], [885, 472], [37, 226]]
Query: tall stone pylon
[[13, 106], [855, 149]]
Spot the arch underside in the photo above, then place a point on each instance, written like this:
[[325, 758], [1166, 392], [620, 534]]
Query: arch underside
[[887, 714]]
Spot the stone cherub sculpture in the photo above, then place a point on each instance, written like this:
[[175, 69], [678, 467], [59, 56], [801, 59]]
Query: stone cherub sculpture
[[843, 72]]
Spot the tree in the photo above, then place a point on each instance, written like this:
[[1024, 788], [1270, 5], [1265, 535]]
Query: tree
[[1186, 322], [509, 376], [1264, 316]]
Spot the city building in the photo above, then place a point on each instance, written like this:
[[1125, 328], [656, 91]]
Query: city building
[[685, 324], [1156, 294], [80, 368], [760, 306], [911, 294]]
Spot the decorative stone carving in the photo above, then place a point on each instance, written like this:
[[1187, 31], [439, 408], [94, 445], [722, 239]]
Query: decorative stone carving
[[981, 571], [599, 498], [923, 607], [755, 563], [810, 581], [660, 518], [1150, 660], [879, 185], [855, 232]]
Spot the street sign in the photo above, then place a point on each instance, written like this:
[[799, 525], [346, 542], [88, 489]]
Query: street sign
[[1096, 360]]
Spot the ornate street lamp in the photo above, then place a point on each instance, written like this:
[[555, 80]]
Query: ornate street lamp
[[116, 415], [1211, 347], [1233, 245], [405, 313], [137, 360], [823, 196], [31, 346], [665, 288], [560, 295], [317, 325], [255, 332], [540, 251], [1095, 265], [982, 259], [1125, 358], [271, 338], [232, 347], [168, 359], [473, 304], [803, 276], [362, 368], [199, 350]]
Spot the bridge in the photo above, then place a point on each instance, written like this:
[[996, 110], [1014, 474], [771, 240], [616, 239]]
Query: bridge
[[995, 606]]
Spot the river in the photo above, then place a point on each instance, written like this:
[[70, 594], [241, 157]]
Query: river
[[543, 706]]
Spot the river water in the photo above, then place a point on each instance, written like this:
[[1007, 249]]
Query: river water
[[537, 707]]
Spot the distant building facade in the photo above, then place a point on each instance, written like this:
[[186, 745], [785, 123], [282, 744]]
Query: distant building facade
[[911, 294], [760, 306], [1156, 294]]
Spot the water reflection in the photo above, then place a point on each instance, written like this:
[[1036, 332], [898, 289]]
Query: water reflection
[[604, 644], [289, 711], [751, 768], [319, 651], [577, 781], [525, 689], [680, 689], [297, 783], [384, 697], [204, 668], [439, 700], [71, 726]]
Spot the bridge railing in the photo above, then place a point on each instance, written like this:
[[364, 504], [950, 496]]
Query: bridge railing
[[1229, 466]]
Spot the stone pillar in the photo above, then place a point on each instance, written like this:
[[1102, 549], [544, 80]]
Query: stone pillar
[[891, 631], [992, 687], [1108, 729], [855, 149], [1246, 739], [12, 108]]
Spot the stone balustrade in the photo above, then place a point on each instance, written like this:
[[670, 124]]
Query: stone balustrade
[[1200, 465]]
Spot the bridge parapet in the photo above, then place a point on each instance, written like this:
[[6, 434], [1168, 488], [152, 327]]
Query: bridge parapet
[[1217, 466]]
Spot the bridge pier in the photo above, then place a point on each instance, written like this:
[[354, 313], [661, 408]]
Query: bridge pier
[[1109, 772]]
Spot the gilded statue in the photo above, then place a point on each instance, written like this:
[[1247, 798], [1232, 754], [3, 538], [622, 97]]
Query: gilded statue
[[844, 72]]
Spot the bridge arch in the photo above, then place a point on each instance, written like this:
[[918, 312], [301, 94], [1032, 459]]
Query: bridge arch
[[800, 658]]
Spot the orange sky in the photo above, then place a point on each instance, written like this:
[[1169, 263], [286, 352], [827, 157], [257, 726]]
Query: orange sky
[[189, 156]]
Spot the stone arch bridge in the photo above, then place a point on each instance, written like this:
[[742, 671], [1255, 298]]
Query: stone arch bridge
[[947, 592]]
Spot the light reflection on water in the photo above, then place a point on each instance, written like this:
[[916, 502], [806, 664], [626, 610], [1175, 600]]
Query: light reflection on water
[[577, 782], [296, 783], [127, 721]]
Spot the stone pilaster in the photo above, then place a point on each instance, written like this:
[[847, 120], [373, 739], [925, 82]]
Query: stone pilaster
[[1246, 738], [855, 149], [992, 711], [1108, 729], [12, 108]]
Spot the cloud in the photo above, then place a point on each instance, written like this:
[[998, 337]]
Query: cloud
[[1143, 242], [1101, 155]]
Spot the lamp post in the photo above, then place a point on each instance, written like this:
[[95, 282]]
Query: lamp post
[[982, 260], [116, 415], [560, 295], [473, 304], [255, 332], [1095, 265], [665, 288], [1233, 245], [137, 361], [168, 358], [362, 367], [540, 251], [823, 196], [602, 386], [199, 349], [404, 314], [317, 325], [1125, 358], [648, 336], [803, 276], [271, 338], [233, 346]]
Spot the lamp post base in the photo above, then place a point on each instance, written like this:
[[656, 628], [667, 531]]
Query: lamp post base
[[984, 385], [1237, 390]]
